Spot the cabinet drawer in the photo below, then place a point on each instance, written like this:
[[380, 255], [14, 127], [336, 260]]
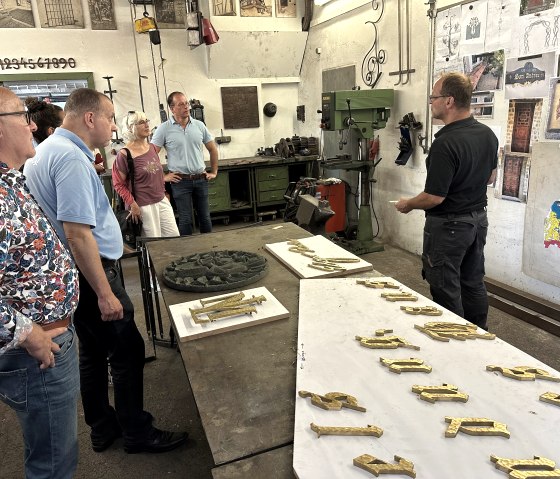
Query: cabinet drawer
[[220, 192], [219, 204], [273, 173], [220, 180], [271, 185], [267, 196]]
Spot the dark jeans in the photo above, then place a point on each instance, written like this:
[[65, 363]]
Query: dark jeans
[[185, 193], [453, 263], [120, 344]]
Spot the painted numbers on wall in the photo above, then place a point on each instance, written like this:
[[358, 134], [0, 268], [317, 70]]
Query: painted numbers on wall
[[33, 63]]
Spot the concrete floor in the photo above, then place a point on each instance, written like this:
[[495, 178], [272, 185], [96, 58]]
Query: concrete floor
[[169, 398]]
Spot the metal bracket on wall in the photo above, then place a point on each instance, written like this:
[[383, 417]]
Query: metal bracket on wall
[[406, 44]]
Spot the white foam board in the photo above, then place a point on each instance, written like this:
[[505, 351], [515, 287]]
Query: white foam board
[[331, 313], [187, 329], [322, 247]]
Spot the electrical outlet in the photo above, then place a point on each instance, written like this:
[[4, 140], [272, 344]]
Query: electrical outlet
[[222, 139]]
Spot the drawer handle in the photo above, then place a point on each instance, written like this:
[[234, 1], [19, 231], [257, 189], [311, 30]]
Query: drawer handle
[[212, 193], [272, 176]]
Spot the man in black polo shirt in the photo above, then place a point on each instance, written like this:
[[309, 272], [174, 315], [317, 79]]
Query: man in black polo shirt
[[461, 163]]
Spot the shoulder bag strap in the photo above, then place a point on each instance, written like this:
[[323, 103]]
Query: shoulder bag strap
[[130, 164]]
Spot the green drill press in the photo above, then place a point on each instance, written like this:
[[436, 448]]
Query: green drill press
[[364, 112]]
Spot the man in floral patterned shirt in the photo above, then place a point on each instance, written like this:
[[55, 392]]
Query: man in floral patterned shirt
[[39, 375]]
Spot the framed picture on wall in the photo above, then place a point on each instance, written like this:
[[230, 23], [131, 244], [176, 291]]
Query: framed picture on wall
[[16, 14], [102, 15], [552, 131], [286, 8], [224, 7], [256, 8]]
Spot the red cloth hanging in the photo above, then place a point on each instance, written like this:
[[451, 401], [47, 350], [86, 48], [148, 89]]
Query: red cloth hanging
[[209, 33]]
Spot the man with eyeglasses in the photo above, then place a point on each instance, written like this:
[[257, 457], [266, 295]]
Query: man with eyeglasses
[[461, 163], [183, 136], [64, 181], [39, 377]]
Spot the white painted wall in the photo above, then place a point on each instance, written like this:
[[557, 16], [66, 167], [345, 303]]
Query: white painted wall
[[344, 39], [339, 29]]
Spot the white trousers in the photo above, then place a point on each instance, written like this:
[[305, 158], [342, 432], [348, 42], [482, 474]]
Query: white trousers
[[158, 220]]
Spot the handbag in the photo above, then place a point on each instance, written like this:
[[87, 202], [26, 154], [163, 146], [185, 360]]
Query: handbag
[[129, 229]]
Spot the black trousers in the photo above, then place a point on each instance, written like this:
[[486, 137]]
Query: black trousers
[[453, 263], [120, 344]]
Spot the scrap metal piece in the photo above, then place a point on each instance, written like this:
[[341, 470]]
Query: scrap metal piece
[[406, 365], [377, 284], [333, 401], [426, 310], [441, 331], [402, 296], [382, 332], [347, 431], [376, 466], [445, 392], [385, 342], [524, 373], [537, 468], [549, 397], [475, 426]]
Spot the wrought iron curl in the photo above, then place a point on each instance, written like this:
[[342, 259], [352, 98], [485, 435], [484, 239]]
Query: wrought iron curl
[[375, 57]]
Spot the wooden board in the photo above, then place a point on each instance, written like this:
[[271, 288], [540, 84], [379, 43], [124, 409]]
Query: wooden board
[[187, 329], [331, 313], [322, 247]]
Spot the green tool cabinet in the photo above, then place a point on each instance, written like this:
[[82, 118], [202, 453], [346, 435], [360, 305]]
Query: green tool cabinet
[[255, 183]]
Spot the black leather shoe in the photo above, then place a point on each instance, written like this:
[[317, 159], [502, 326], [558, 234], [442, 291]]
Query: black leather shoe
[[100, 442], [157, 441]]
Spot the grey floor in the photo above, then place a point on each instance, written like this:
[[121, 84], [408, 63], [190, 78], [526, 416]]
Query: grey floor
[[169, 398]]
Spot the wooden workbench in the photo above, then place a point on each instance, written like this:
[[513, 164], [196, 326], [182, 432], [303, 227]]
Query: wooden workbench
[[243, 381]]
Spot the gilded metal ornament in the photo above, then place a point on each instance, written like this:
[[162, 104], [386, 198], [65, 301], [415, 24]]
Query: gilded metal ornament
[[385, 342], [333, 401], [377, 284], [410, 365], [347, 431], [441, 331], [475, 426], [549, 397], [376, 466], [537, 468], [382, 332], [317, 262], [402, 296], [426, 310], [523, 373], [445, 392], [232, 305]]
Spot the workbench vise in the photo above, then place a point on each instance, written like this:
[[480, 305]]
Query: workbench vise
[[313, 213]]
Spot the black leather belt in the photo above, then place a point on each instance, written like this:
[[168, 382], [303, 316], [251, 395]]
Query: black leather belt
[[198, 176], [108, 263]]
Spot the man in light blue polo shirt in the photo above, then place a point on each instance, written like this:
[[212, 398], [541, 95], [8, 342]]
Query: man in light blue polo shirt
[[63, 180], [183, 137]]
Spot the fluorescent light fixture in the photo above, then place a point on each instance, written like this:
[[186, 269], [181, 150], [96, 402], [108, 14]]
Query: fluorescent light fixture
[[321, 2]]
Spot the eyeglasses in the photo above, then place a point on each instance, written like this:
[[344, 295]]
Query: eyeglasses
[[25, 113], [433, 97], [142, 122], [182, 105]]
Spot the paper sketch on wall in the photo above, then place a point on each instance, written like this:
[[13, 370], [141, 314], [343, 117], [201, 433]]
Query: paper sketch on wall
[[536, 33], [552, 131], [60, 13], [527, 7], [286, 8], [482, 104], [225, 7], [523, 124], [16, 14], [170, 13], [499, 23], [473, 27], [528, 77], [448, 34], [485, 70], [256, 8], [102, 15], [552, 226]]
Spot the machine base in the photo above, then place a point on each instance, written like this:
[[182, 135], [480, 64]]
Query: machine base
[[358, 247]]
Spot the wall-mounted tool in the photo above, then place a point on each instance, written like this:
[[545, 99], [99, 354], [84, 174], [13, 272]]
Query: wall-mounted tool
[[404, 42], [197, 110], [270, 109], [406, 143], [110, 92]]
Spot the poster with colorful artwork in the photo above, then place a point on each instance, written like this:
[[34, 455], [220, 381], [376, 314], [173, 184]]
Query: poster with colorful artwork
[[552, 226]]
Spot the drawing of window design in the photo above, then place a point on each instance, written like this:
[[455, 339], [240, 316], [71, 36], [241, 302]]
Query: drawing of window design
[[552, 226], [473, 29], [59, 13], [224, 7], [513, 166], [165, 11]]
